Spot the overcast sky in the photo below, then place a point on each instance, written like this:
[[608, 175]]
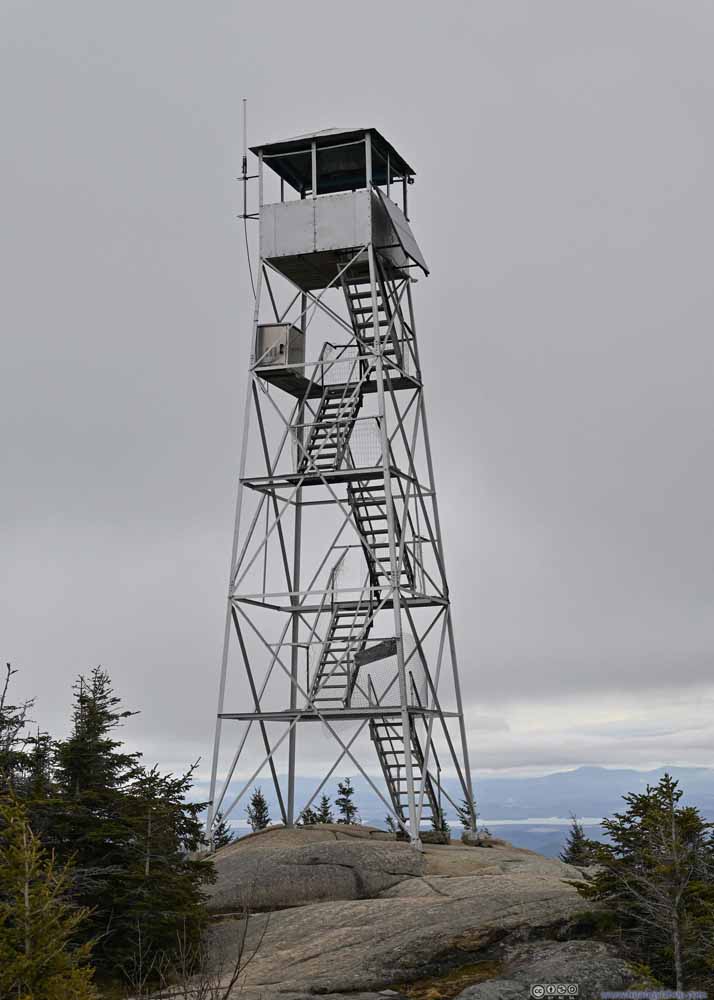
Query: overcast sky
[[564, 200]]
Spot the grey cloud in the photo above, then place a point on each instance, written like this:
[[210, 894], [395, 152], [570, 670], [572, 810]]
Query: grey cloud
[[563, 199]]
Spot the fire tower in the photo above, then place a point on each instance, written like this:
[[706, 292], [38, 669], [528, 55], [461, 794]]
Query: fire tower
[[338, 623]]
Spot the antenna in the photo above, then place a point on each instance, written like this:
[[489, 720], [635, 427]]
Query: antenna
[[244, 175], [244, 164]]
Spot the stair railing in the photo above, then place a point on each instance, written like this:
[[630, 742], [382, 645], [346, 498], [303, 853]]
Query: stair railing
[[352, 667], [342, 427], [327, 601]]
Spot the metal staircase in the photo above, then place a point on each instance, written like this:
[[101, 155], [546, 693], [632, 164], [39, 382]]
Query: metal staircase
[[346, 635], [368, 502], [358, 295], [330, 431], [388, 737], [350, 624]]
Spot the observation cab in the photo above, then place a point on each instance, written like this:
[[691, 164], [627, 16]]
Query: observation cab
[[337, 198]]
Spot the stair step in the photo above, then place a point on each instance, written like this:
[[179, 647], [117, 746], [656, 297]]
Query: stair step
[[381, 321]]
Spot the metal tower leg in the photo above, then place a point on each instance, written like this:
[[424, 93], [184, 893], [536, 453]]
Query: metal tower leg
[[440, 545], [394, 565]]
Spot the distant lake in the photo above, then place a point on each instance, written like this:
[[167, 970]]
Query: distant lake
[[543, 821]]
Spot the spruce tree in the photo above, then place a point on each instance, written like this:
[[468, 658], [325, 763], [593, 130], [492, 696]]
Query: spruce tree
[[90, 761], [655, 876], [438, 822], [89, 817], [308, 817], [324, 812], [13, 736], [38, 926], [131, 832], [578, 849], [222, 834], [162, 891], [345, 806], [257, 811], [464, 813], [391, 825]]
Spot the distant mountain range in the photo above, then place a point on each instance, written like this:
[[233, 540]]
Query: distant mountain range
[[588, 792]]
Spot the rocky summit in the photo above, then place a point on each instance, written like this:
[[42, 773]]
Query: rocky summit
[[334, 910]]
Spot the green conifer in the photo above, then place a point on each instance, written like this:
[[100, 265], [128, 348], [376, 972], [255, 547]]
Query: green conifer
[[324, 811], [438, 822], [38, 926], [464, 813], [578, 849], [162, 891], [258, 815], [308, 817], [131, 832], [13, 736], [655, 875], [344, 802], [222, 834]]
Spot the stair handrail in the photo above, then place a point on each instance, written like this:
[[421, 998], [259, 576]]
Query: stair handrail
[[426, 774], [353, 670], [328, 594], [341, 348], [333, 576]]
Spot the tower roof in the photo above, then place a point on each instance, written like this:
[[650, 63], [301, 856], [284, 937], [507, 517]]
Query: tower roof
[[342, 163]]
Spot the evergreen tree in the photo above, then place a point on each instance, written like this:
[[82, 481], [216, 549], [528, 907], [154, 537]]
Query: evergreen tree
[[578, 849], [38, 926], [13, 738], [222, 834], [345, 806], [257, 810], [438, 822], [162, 889], [324, 812], [89, 762], [89, 818], [308, 817], [656, 877], [464, 813], [391, 825], [38, 772], [130, 831]]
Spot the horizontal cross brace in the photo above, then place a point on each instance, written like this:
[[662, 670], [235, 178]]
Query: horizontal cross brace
[[308, 609], [297, 385], [305, 715], [316, 478]]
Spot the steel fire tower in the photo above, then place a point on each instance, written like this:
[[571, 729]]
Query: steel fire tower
[[338, 625]]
